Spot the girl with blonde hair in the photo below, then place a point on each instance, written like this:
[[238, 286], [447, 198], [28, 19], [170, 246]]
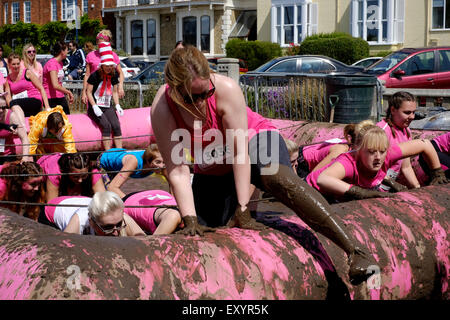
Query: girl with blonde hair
[[29, 61], [358, 174]]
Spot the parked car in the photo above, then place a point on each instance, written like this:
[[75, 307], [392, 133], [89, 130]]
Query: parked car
[[43, 58], [128, 67], [302, 64], [366, 62], [142, 64], [242, 64], [426, 68], [152, 73]]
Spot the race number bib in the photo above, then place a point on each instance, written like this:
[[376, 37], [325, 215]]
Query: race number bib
[[214, 153], [104, 101], [4, 71], [2, 145], [392, 175], [21, 95], [60, 75]]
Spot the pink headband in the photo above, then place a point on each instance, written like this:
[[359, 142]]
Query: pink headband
[[102, 36]]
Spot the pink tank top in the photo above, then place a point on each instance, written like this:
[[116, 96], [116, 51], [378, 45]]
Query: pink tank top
[[401, 135], [443, 142], [317, 152], [144, 217], [23, 88], [6, 137], [256, 124]]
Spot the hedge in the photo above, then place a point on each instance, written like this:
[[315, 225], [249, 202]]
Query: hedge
[[255, 53], [337, 45]]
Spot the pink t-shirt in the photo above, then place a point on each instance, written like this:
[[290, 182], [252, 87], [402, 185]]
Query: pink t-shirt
[[23, 88], [37, 71], [145, 217], [443, 142], [352, 176], [2, 82], [49, 164], [317, 152], [401, 135], [93, 59], [52, 65], [54, 214], [2, 183]]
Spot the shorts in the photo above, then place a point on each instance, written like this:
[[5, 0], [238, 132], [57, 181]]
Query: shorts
[[302, 165], [30, 106], [444, 159], [217, 194], [53, 102]]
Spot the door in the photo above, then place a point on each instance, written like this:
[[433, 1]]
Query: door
[[443, 76]]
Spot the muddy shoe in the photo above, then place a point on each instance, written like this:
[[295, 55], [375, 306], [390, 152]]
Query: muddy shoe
[[244, 220], [359, 262]]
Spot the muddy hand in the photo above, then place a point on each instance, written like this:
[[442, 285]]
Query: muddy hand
[[192, 227], [359, 262], [244, 220], [397, 187], [359, 193], [437, 176]]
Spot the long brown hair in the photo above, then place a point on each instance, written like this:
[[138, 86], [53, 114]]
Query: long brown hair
[[396, 101], [69, 161], [14, 187]]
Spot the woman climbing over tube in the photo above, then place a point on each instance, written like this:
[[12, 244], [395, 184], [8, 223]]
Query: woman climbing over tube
[[442, 146], [358, 174], [400, 113], [199, 107]]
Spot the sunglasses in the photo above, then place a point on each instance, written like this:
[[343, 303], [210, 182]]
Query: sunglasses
[[110, 228], [3, 107], [193, 98], [31, 51]]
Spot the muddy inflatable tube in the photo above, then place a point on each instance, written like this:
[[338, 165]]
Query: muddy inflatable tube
[[407, 235]]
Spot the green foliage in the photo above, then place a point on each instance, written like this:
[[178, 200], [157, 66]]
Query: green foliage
[[381, 53], [89, 30], [50, 33], [337, 45], [255, 53]]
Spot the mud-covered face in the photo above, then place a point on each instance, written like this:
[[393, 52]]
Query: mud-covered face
[[372, 159], [110, 224], [403, 116], [31, 186]]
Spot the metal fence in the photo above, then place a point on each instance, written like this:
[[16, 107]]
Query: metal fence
[[286, 96]]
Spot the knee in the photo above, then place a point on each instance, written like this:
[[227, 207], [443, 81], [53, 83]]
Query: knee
[[172, 216]]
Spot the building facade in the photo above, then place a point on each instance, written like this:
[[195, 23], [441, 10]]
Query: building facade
[[385, 24]]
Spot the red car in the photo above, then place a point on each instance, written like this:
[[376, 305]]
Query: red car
[[422, 68], [242, 65]]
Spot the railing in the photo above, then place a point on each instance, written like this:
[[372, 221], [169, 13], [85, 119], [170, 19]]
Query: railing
[[134, 97], [286, 96], [132, 3]]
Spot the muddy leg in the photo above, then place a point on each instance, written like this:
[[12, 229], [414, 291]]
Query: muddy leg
[[315, 211]]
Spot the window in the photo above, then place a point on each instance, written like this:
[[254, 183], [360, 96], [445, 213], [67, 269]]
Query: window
[[190, 30], [204, 36], [285, 66], [151, 37], [292, 22], [15, 12], [54, 11], [441, 14], [444, 60], [137, 38], [85, 6], [245, 26], [6, 13], [68, 10], [378, 21], [421, 63], [27, 11]]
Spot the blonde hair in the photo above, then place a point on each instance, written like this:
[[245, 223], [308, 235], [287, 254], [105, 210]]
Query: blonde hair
[[183, 66], [106, 33], [103, 203], [26, 60], [291, 146], [371, 137]]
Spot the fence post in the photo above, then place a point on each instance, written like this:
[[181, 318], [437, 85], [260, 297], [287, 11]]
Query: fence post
[[229, 67]]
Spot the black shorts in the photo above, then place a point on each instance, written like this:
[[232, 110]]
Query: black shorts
[[444, 159], [215, 197], [53, 102], [302, 165], [30, 106]]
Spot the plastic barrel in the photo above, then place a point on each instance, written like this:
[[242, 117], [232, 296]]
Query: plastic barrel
[[351, 96]]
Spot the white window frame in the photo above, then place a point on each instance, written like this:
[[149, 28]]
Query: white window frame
[[54, 10], [308, 20], [395, 14], [144, 19], [443, 17], [15, 17], [198, 15], [65, 9], [6, 9], [25, 13]]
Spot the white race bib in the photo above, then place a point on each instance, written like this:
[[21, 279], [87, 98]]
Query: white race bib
[[21, 95], [4, 71], [390, 174], [104, 101], [60, 75], [2, 145]]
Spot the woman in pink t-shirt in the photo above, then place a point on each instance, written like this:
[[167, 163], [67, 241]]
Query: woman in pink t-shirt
[[442, 146], [53, 76], [400, 113], [233, 147], [29, 61], [79, 181], [93, 61], [358, 174], [25, 92]]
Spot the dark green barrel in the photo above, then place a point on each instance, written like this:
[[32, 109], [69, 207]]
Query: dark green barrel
[[351, 95]]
